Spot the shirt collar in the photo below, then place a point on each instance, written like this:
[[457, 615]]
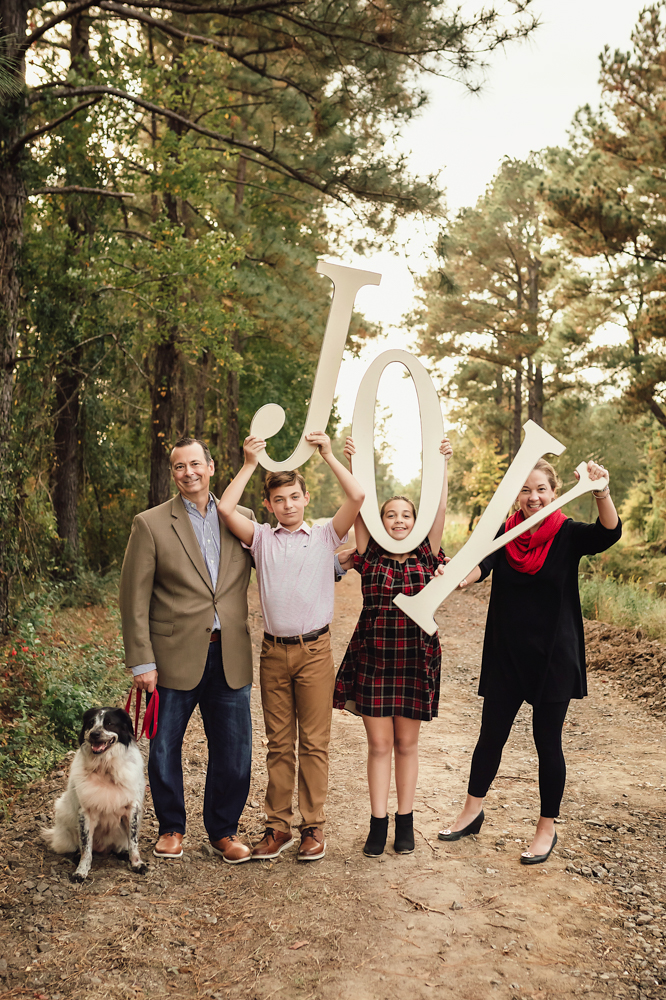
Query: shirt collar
[[304, 527], [192, 508]]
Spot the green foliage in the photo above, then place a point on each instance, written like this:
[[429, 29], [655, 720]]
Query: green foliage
[[644, 509], [627, 605], [48, 678], [482, 479]]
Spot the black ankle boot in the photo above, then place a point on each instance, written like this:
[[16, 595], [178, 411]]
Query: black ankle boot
[[404, 833], [374, 845]]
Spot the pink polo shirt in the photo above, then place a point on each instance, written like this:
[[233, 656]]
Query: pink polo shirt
[[295, 576]]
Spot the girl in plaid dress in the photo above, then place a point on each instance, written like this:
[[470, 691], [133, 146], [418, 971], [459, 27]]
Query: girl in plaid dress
[[390, 672]]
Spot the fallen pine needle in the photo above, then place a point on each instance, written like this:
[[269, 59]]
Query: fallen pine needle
[[431, 846], [423, 906]]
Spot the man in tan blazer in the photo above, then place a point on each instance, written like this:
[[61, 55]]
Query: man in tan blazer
[[183, 602]]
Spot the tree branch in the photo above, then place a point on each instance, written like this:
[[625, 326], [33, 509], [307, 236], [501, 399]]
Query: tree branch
[[76, 8], [657, 411], [77, 189], [29, 136], [133, 14], [174, 116]]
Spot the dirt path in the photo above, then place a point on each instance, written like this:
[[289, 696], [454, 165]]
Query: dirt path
[[460, 920]]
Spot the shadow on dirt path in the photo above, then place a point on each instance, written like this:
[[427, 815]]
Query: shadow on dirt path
[[460, 920]]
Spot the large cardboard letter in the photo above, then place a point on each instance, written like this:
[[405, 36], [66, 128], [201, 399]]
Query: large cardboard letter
[[432, 432], [537, 442], [269, 419]]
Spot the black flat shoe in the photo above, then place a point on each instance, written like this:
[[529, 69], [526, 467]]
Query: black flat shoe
[[471, 828], [537, 859]]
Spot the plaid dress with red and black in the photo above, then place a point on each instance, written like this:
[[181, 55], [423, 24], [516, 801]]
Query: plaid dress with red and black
[[391, 666]]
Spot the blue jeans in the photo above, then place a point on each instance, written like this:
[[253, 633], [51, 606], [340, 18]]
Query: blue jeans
[[228, 725]]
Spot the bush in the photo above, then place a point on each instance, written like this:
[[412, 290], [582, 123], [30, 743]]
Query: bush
[[48, 679]]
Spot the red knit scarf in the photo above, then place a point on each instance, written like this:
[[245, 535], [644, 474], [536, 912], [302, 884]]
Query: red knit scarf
[[527, 553]]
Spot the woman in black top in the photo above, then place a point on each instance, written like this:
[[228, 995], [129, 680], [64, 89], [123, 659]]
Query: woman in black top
[[534, 646]]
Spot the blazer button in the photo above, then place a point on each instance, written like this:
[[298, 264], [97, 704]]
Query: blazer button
[[207, 630]]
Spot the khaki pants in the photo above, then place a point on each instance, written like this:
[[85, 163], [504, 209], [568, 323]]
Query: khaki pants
[[297, 684]]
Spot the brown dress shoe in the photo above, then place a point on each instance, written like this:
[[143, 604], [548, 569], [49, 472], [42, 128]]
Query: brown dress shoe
[[313, 845], [169, 845], [272, 843], [231, 850]]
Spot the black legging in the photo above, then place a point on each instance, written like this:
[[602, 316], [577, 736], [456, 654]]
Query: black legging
[[496, 723]]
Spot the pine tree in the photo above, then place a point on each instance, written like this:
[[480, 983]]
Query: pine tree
[[498, 303], [606, 196]]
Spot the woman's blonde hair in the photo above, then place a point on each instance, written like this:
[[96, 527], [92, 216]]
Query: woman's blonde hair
[[552, 477], [399, 497]]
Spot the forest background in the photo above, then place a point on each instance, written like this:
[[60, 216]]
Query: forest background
[[170, 172]]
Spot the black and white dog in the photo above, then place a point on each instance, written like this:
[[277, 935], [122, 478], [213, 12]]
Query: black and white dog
[[102, 807]]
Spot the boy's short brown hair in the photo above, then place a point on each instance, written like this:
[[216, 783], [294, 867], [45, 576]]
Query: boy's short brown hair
[[274, 480]]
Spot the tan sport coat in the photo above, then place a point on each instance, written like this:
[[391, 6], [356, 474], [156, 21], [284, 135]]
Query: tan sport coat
[[167, 603]]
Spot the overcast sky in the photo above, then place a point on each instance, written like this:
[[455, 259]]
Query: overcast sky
[[531, 93]]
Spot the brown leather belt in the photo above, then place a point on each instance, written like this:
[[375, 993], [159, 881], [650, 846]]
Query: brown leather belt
[[291, 640], [215, 636]]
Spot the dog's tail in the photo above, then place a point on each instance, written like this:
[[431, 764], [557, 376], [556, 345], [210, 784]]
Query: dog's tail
[[60, 840]]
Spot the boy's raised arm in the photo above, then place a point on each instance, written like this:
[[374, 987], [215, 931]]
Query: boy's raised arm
[[355, 496], [237, 523]]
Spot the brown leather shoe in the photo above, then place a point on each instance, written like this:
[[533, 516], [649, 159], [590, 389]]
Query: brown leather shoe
[[169, 845], [231, 850], [272, 843], [313, 845]]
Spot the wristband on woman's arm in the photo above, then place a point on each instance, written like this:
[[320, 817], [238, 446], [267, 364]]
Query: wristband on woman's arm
[[603, 494]]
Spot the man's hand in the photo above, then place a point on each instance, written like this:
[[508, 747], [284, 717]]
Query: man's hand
[[252, 446], [346, 559], [146, 682], [321, 441], [445, 448]]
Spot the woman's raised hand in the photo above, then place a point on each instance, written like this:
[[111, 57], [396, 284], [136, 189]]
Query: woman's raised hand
[[595, 471], [445, 448]]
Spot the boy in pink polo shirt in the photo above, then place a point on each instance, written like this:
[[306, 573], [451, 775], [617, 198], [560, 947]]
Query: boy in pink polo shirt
[[295, 575]]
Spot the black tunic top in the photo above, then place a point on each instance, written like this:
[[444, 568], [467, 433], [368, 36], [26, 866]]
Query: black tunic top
[[534, 644]]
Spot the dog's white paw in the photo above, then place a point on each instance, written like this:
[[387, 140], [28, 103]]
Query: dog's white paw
[[140, 869], [78, 876]]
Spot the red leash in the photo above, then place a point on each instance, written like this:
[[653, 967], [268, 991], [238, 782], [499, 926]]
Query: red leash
[[149, 729]]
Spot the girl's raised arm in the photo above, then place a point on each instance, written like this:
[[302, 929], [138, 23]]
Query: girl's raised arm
[[437, 530]]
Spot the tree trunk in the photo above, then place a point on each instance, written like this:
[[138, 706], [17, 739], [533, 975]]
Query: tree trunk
[[13, 14], [232, 448], [536, 396], [499, 402], [66, 436], [66, 468], [164, 372], [202, 385], [181, 404], [517, 408]]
